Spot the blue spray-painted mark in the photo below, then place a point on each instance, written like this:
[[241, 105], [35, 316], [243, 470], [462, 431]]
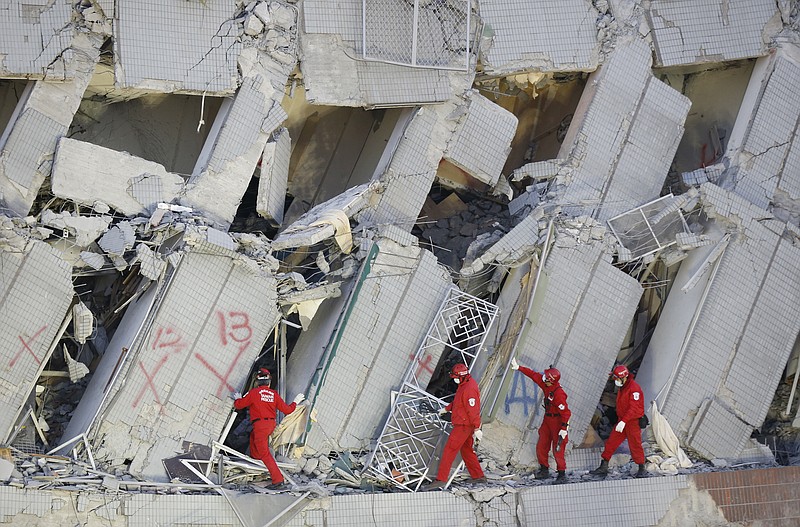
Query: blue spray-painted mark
[[525, 399]]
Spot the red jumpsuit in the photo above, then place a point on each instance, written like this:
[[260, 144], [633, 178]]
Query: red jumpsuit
[[466, 418], [630, 407], [556, 418], [264, 403]]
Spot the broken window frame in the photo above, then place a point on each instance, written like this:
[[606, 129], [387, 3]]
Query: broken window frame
[[621, 237]]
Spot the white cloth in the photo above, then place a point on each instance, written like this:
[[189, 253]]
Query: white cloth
[[341, 224], [666, 438], [291, 428]]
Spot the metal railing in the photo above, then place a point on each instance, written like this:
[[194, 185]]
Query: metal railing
[[414, 431], [419, 33]]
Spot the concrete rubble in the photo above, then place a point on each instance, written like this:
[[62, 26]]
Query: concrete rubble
[[192, 191]]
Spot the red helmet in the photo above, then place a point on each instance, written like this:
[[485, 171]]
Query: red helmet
[[551, 375], [620, 372], [264, 377], [459, 371]]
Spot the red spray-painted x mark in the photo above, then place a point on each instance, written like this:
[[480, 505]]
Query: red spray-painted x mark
[[223, 379], [149, 381], [424, 365], [26, 346]]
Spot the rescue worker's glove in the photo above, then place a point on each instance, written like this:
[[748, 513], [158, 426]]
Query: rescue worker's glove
[[562, 434], [299, 398], [477, 435], [442, 411], [620, 426], [236, 395], [514, 364]]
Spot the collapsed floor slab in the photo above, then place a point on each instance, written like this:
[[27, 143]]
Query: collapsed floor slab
[[87, 174], [376, 338], [35, 279], [238, 137], [43, 115], [711, 32], [482, 141], [764, 149], [524, 37], [175, 380], [627, 127], [726, 341], [579, 316]]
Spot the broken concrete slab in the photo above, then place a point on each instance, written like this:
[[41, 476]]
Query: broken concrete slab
[[711, 33], [512, 250], [539, 170], [36, 280], [85, 229], [570, 330], [43, 115], [351, 393], [647, 118], [150, 265], [32, 39], [201, 60], [716, 431], [179, 373], [482, 141], [82, 321], [763, 150], [118, 239], [708, 355], [274, 176], [86, 173], [237, 139], [522, 37], [407, 179], [329, 219]]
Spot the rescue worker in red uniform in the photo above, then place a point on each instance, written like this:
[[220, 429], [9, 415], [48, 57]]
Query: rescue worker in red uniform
[[466, 420], [630, 408], [264, 404], [553, 433]]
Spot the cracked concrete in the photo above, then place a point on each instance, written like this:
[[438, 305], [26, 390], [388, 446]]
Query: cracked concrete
[[273, 188]]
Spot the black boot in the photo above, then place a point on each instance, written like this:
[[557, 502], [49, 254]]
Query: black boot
[[642, 473], [561, 478], [543, 472], [602, 470], [433, 485]]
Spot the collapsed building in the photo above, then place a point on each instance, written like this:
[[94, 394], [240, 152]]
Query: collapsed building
[[360, 194]]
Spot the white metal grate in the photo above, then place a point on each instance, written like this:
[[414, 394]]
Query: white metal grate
[[414, 430]]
